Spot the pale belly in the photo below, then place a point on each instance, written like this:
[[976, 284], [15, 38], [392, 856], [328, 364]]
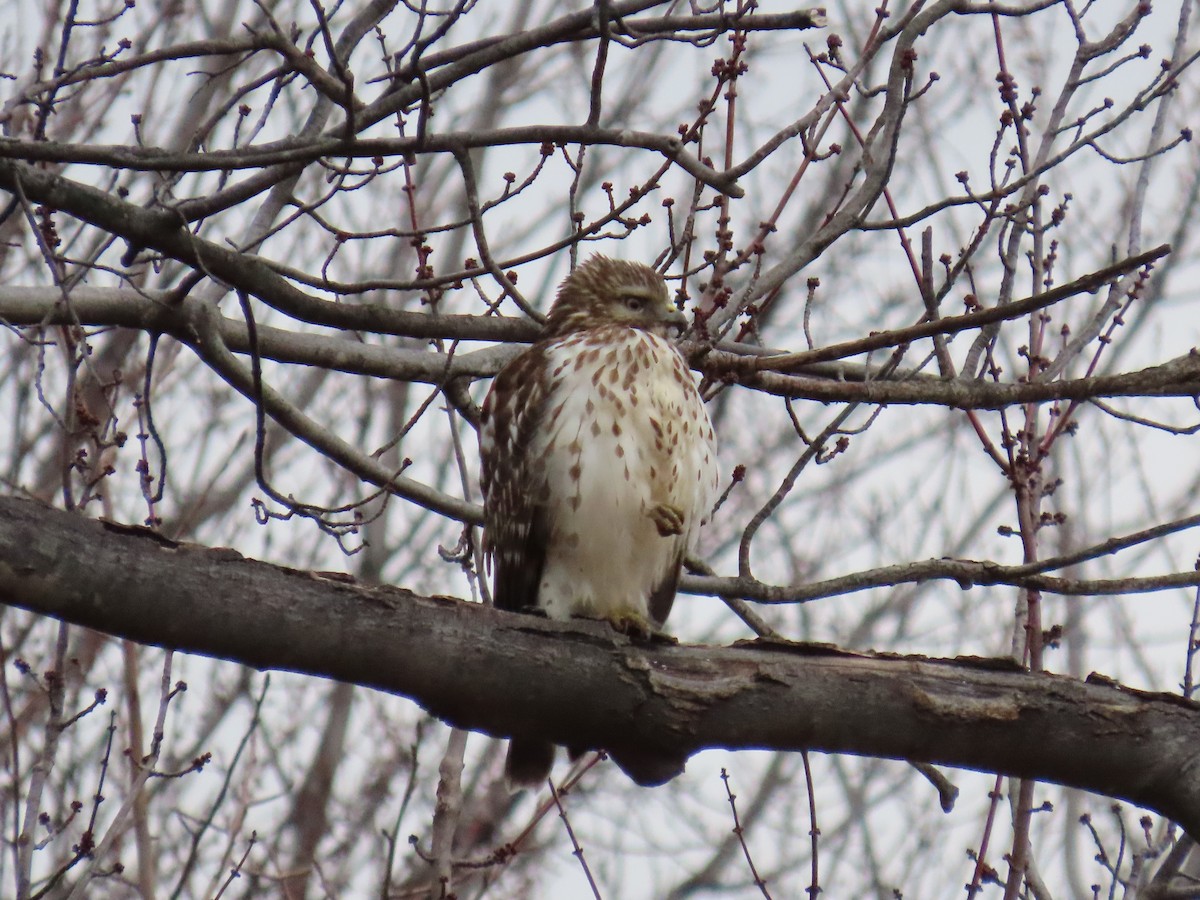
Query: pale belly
[[614, 451]]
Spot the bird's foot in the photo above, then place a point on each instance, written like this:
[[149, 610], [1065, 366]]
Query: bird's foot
[[667, 519], [638, 627]]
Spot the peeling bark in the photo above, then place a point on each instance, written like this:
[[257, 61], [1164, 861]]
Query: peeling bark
[[580, 683]]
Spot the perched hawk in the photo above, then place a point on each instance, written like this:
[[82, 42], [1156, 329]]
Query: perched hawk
[[599, 466]]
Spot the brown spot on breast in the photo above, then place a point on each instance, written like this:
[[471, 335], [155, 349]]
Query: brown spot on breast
[[620, 450], [575, 471], [595, 428], [616, 429]]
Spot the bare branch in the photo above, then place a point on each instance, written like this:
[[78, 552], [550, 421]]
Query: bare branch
[[983, 714]]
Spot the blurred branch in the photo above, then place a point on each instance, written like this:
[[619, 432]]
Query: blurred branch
[[217, 356], [410, 84], [827, 379], [163, 231], [1179, 377], [878, 154], [156, 159], [969, 573], [954, 324], [159, 312], [463, 662], [111, 68]]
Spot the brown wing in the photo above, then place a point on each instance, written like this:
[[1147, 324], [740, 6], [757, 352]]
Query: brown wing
[[515, 529], [662, 595]]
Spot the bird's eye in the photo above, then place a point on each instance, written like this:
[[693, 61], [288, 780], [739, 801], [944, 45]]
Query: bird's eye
[[634, 303]]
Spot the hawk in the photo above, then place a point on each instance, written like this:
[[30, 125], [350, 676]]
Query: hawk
[[598, 467]]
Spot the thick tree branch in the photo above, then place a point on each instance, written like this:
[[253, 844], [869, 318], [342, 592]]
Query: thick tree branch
[[581, 683]]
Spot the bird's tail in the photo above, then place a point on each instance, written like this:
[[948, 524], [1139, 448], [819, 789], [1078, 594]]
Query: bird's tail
[[529, 763]]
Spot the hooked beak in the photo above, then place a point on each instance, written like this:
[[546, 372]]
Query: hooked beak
[[677, 322]]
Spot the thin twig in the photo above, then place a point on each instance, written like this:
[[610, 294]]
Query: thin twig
[[576, 849], [741, 836]]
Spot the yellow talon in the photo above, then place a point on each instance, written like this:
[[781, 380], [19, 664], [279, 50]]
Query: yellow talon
[[668, 519], [639, 628]]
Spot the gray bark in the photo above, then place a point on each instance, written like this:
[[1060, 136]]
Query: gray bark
[[580, 683]]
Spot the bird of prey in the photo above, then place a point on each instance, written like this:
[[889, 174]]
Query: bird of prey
[[599, 466]]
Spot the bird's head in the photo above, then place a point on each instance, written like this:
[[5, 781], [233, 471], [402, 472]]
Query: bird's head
[[604, 291]]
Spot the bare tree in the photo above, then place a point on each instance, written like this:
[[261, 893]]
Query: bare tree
[[260, 261]]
